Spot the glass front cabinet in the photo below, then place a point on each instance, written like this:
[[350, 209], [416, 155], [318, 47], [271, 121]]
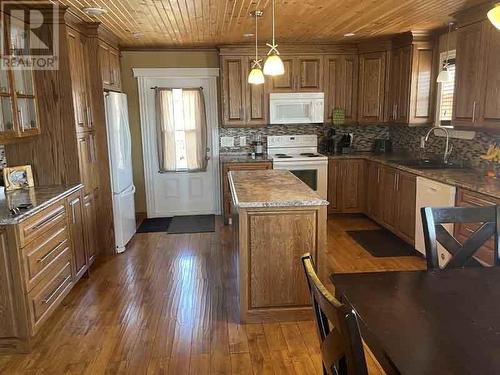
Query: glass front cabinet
[[18, 103]]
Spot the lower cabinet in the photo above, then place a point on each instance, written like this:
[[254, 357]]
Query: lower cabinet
[[391, 196], [467, 198], [226, 192], [89, 209], [346, 185], [77, 231]]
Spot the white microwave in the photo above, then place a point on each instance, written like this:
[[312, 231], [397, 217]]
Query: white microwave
[[297, 108]]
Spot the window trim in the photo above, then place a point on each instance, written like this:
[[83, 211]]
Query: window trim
[[442, 58]]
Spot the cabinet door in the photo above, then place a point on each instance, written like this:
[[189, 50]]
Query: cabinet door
[[353, 185], [77, 233], [90, 227], [233, 91], [114, 62], [468, 62], [395, 83], [371, 87], [285, 82], [489, 107], [373, 191], [78, 79], [407, 191], [87, 161], [340, 85], [334, 185], [402, 101], [256, 102], [309, 73], [105, 64], [389, 197], [422, 82]]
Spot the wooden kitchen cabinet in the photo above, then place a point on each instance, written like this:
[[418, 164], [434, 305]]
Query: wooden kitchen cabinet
[[88, 161], [77, 234], [407, 192], [341, 86], [89, 212], [346, 185], [389, 201], [109, 62], [226, 192], [411, 80], [374, 194], [302, 74], [371, 92], [467, 198], [256, 105]]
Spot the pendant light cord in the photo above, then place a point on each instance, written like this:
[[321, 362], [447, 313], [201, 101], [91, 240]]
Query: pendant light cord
[[448, 45], [273, 24], [256, 42]]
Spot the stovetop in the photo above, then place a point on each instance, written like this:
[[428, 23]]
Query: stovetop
[[291, 157]]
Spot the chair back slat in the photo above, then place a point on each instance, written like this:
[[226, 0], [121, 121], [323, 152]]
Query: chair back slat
[[434, 232], [338, 329]]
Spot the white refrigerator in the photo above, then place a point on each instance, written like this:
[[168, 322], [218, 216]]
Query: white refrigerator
[[120, 163]]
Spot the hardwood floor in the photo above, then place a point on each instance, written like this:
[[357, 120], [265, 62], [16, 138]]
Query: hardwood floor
[[168, 305]]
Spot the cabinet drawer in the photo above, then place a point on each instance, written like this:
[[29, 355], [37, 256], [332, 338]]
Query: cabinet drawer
[[46, 255], [36, 225], [45, 298]]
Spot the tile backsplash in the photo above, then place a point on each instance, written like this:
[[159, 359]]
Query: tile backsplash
[[363, 138], [408, 138]]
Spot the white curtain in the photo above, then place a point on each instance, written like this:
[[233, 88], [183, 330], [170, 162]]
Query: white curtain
[[193, 124]]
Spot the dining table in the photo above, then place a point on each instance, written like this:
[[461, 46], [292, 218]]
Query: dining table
[[428, 322]]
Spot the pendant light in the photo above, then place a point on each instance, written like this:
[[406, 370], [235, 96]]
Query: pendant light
[[494, 16], [256, 77], [444, 75], [273, 66]]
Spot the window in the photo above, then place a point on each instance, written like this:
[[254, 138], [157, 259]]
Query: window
[[446, 92], [181, 130]]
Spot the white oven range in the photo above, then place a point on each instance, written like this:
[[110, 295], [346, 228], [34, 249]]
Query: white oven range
[[299, 155]]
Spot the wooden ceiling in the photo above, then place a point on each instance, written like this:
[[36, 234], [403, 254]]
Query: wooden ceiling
[[207, 23]]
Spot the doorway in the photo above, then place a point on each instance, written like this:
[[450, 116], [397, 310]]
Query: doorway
[[177, 190]]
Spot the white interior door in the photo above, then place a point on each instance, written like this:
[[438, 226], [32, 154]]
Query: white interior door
[[179, 193]]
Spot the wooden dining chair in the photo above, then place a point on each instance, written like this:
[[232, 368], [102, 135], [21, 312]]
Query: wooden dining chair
[[461, 254], [340, 340]]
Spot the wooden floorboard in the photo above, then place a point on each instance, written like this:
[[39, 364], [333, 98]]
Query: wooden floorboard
[[169, 305]]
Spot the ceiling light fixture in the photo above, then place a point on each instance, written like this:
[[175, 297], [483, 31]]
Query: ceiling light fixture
[[94, 11], [444, 75], [256, 77], [273, 66], [494, 16]]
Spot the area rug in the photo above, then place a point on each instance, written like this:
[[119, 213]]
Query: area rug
[[382, 243], [192, 224], [158, 224]]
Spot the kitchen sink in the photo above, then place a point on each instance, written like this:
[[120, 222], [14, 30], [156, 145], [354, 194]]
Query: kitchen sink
[[429, 164]]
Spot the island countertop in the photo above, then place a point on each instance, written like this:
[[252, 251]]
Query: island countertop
[[271, 188], [39, 197]]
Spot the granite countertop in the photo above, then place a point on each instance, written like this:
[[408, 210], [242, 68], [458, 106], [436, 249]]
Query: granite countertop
[[242, 158], [40, 198], [468, 178], [271, 188]]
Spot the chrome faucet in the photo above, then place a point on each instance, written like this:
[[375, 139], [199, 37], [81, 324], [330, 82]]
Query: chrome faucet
[[448, 148]]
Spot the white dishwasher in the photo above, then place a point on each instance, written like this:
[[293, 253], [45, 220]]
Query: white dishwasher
[[432, 194]]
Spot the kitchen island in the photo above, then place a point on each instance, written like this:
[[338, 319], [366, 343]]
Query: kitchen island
[[277, 218]]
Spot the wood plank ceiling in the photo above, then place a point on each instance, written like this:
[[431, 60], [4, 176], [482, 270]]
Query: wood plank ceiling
[[207, 23]]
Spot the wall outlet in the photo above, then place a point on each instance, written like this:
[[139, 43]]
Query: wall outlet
[[227, 141], [243, 141]]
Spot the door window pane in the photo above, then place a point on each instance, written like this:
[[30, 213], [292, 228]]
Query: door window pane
[[309, 177], [6, 123]]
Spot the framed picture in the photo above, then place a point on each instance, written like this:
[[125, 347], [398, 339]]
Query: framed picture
[[18, 177]]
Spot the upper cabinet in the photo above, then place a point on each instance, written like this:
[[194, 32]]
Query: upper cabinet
[[476, 104], [411, 82], [109, 60], [302, 74], [372, 81], [341, 85], [18, 96]]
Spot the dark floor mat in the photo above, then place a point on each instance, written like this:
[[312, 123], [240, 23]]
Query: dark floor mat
[[382, 243], [157, 224], [192, 224]]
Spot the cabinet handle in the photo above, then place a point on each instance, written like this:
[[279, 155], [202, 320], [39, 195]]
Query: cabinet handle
[[72, 204], [51, 295], [20, 119], [89, 116], [396, 112], [39, 260], [378, 174], [47, 219], [474, 111], [397, 182]]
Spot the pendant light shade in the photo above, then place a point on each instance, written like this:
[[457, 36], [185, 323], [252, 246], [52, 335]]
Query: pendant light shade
[[494, 16], [273, 65], [444, 75], [256, 77]]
